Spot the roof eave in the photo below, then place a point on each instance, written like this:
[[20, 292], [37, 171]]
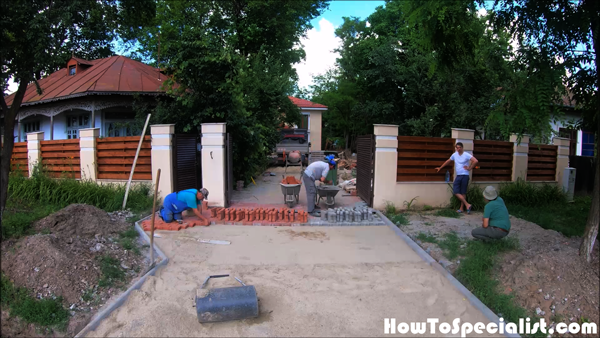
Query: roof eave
[[87, 94]]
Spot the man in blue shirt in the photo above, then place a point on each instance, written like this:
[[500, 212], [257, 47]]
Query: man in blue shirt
[[175, 203]]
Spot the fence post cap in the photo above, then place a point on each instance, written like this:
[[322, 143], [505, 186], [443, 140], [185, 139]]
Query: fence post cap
[[35, 136], [162, 129], [89, 132]]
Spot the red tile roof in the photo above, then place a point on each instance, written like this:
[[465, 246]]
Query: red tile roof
[[116, 74], [305, 103]]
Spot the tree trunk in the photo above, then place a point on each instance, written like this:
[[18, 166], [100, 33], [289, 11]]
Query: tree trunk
[[591, 227], [9, 140]]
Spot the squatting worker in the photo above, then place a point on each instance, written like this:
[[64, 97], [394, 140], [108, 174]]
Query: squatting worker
[[463, 163], [496, 222], [175, 203], [316, 171]]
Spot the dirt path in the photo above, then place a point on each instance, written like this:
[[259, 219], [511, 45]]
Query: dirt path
[[546, 275], [311, 281]]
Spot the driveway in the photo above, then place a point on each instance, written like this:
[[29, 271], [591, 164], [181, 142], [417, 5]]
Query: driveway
[[311, 281]]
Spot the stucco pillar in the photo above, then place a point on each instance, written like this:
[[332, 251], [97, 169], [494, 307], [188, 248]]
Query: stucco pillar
[[315, 130], [386, 164], [34, 149], [162, 157], [465, 136], [87, 153], [520, 156], [214, 169], [562, 157]]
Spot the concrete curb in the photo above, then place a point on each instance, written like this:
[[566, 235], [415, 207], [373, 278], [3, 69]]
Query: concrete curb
[[489, 314], [100, 316]]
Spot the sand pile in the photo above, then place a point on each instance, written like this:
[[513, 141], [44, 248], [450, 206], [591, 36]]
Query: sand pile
[[63, 260]]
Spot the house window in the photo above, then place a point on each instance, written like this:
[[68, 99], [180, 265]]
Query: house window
[[117, 129], [71, 70], [30, 127], [304, 122], [76, 122], [587, 144]]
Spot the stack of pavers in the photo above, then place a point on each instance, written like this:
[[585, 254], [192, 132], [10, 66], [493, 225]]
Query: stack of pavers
[[348, 216], [253, 216]]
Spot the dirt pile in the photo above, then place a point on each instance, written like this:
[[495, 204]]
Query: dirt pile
[[64, 259]]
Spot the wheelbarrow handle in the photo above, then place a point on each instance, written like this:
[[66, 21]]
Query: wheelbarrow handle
[[219, 276]]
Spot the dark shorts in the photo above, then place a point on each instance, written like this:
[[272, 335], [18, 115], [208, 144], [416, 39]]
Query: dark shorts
[[461, 182]]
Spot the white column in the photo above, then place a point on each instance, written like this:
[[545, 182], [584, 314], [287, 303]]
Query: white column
[[520, 157], [213, 162], [386, 164], [562, 157], [162, 157], [34, 149], [88, 154]]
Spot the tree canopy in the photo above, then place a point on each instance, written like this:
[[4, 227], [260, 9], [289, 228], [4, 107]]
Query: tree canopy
[[234, 63]]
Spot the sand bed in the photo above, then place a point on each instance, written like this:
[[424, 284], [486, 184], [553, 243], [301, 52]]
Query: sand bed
[[311, 281]]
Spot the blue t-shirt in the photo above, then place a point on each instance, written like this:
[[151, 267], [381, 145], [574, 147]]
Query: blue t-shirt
[[189, 198]]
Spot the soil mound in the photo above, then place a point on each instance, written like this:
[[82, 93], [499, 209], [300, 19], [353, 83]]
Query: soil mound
[[66, 261], [80, 220]]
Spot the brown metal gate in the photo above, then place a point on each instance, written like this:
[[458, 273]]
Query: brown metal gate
[[365, 167], [187, 166], [229, 170]]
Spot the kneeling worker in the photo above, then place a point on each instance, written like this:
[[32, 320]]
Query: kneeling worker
[[316, 171], [175, 203], [496, 221]]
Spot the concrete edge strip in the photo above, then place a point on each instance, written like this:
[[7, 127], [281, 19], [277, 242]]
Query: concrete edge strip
[[489, 314], [100, 316]]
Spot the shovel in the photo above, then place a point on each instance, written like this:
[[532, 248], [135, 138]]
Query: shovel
[[225, 304]]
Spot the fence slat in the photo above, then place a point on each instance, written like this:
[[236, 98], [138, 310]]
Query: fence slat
[[541, 163], [115, 157]]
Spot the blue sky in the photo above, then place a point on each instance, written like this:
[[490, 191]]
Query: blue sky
[[320, 41]]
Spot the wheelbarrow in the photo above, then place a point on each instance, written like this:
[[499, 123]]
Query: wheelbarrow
[[328, 192], [225, 304], [291, 193]]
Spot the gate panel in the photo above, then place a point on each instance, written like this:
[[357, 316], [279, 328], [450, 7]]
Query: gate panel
[[187, 171], [365, 151]]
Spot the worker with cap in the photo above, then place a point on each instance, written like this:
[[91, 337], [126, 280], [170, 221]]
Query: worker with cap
[[175, 203], [316, 171], [496, 221]]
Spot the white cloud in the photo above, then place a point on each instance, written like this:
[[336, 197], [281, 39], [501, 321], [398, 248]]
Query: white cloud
[[319, 46]]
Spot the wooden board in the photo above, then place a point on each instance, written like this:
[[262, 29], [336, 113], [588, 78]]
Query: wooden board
[[57, 148], [118, 176], [123, 153], [121, 145], [110, 160], [125, 168], [418, 178], [123, 139]]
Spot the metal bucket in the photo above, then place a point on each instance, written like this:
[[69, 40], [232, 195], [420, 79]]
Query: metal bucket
[[225, 304]]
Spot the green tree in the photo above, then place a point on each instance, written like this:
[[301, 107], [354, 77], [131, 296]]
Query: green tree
[[233, 63], [561, 37], [39, 36]]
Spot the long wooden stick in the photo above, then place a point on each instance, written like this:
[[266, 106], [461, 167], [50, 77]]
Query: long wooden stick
[[153, 215], [135, 161]]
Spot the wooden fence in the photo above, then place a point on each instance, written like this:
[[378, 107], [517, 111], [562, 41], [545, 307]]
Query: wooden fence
[[495, 160], [19, 159], [541, 165], [115, 157], [419, 156], [61, 158]]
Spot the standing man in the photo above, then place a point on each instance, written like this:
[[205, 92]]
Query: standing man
[[175, 203], [496, 221], [463, 163], [316, 171]]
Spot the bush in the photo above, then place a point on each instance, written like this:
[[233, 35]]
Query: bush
[[474, 196], [390, 209], [527, 194]]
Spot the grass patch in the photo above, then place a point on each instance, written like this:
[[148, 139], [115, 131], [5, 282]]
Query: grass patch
[[399, 219], [427, 207], [451, 245], [566, 218], [426, 238], [111, 271], [30, 199], [44, 312], [390, 209], [128, 240], [447, 213], [475, 273]]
